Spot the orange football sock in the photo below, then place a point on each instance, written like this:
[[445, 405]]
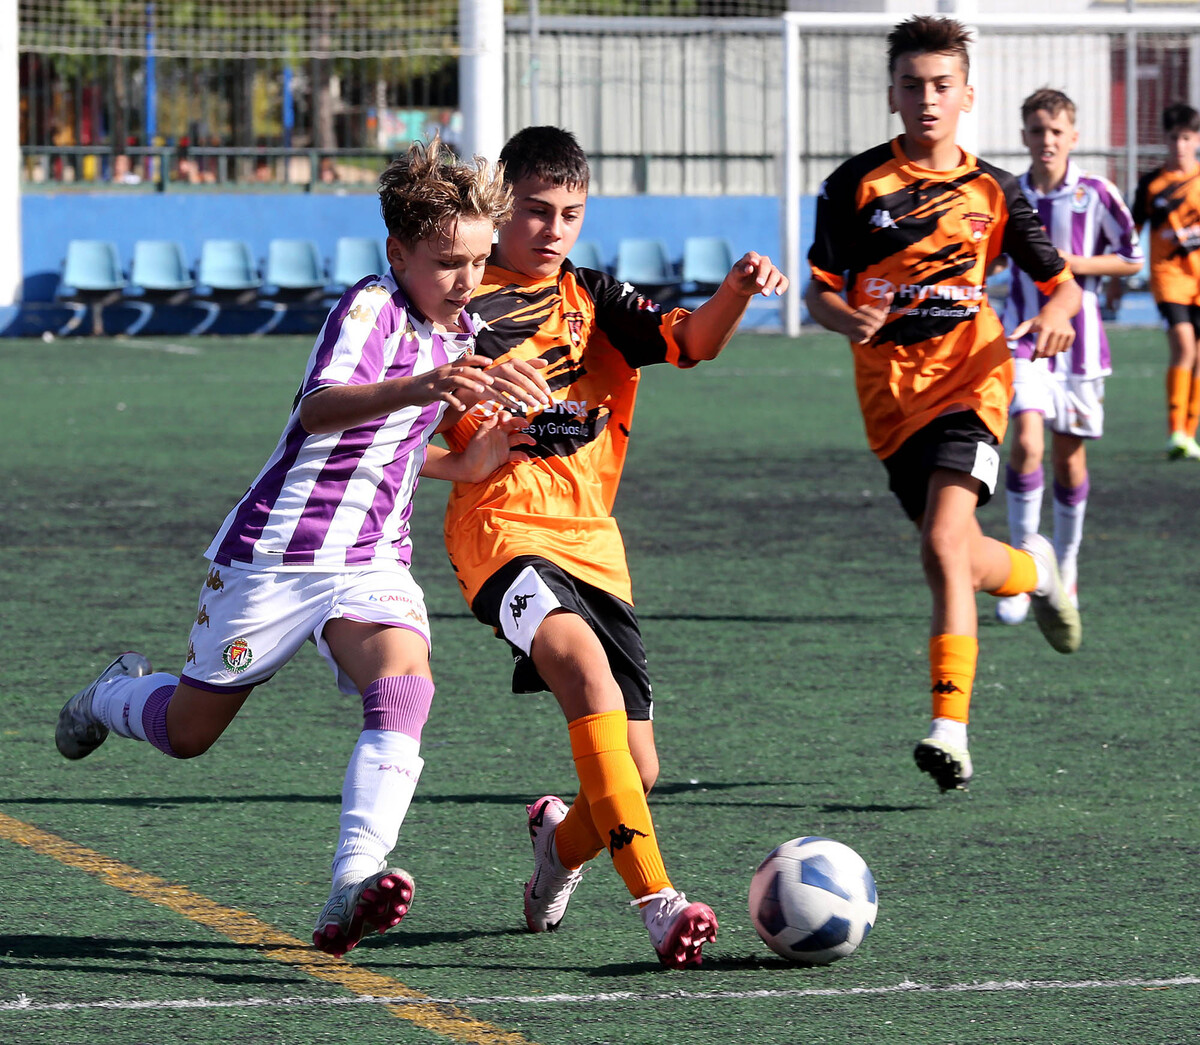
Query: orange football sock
[[951, 674], [1193, 408], [609, 778], [577, 839], [1022, 574], [1179, 388]]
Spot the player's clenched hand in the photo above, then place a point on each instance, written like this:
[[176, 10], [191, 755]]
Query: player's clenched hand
[[756, 274], [864, 322], [518, 384], [494, 444], [1054, 332], [461, 384]]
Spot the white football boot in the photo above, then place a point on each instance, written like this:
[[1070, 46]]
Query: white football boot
[[549, 890], [678, 929], [79, 732]]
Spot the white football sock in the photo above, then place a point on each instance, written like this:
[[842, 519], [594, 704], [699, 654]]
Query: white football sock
[[118, 703], [1024, 512], [379, 785], [1068, 535], [949, 731]]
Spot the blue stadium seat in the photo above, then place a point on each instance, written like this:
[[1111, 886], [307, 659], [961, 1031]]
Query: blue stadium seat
[[586, 255], [645, 264], [706, 262], [294, 268], [159, 275], [294, 277], [91, 278], [355, 257], [226, 275]]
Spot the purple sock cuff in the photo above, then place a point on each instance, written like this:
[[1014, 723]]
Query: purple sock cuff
[[154, 719], [1022, 482], [1072, 495], [399, 704]]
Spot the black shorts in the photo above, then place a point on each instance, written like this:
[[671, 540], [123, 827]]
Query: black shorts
[[1175, 313], [959, 441], [516, 598]]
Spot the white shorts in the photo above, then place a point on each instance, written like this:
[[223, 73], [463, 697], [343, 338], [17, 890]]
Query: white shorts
[[250, 623], [1071, 405]]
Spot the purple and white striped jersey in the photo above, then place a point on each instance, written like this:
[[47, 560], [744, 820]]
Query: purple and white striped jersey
[[342, 501], [1085, 215]]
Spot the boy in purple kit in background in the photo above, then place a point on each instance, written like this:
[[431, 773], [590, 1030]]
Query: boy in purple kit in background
[[318, 549], [1094, 231]]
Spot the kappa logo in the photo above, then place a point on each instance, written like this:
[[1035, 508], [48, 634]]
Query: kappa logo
[[979, 224], [237, 656], [202, 616], [882, 219], [622, 836], [519, 605], [191, 654], [944, 687], [214, 580]]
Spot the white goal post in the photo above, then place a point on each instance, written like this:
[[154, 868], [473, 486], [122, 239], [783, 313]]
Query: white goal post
[[1006, 71]]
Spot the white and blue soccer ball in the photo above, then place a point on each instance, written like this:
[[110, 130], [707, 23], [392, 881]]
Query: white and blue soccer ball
[[813, 900]]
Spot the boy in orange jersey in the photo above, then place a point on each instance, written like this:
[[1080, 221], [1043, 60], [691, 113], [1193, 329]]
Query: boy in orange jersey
[[537, 552], [1169, 198], [905, 235]]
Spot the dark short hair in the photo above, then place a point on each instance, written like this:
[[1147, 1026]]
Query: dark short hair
[[1180, 117], [1047, 99], [928, 34], [549, 153]]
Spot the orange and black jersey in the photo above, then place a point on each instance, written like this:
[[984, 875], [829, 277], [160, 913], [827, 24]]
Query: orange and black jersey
[[886, 225], [595, 333], [1170, 202]]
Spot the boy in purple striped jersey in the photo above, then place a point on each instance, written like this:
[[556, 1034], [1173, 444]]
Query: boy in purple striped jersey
[[318, 549], [1092, 228]]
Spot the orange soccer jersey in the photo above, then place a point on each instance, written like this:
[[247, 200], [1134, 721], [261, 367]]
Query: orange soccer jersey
[[595, 333], [1170, 201], [884, 224]]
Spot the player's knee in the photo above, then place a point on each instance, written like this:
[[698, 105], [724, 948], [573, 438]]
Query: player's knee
[[940, 545], [1026, 452], [191, 745]]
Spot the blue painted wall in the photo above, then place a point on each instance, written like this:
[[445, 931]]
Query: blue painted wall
[[50, 220]]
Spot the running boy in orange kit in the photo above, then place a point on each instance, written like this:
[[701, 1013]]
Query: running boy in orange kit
[[905, 235]]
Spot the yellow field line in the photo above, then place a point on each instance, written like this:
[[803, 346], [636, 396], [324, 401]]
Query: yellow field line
[[439, 1017]]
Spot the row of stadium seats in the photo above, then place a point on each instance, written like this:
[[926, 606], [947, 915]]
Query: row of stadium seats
[[226, 277], [647, 264], [161, 287]]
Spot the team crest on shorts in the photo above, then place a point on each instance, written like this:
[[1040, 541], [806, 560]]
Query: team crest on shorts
[[237, 655]]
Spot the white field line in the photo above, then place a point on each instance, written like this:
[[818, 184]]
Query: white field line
[[170, 347], [22, 1003]]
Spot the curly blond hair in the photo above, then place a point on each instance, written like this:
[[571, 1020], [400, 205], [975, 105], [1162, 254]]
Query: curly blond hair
[[422, 190]]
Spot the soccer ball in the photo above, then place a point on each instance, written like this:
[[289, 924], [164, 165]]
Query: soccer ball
[[813, 900]]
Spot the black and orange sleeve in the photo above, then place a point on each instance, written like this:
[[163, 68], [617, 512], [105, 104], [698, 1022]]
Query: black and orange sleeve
[[1025, 239]]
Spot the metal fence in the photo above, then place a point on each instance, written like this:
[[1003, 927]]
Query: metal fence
[[667, 96]]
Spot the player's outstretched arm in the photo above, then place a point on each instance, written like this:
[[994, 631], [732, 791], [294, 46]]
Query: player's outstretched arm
[[1101, 265], [1053, 323], [495, 443], [833, 312], [705, 332]]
